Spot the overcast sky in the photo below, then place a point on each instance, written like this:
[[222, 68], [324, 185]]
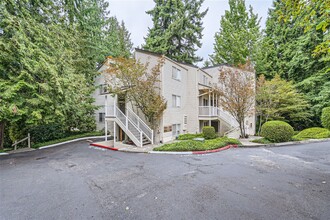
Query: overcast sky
[[137, 21]]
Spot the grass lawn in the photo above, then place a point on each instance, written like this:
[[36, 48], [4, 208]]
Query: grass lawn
[[89, 134], [191, 145]]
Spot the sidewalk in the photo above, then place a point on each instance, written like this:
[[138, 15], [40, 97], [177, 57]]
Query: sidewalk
[[247, 141]]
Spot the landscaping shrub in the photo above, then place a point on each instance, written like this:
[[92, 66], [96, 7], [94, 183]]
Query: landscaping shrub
[[47, 132], [277, 131], [209, 132], [325, 117], [312, 133], [189, 136], [191, 145]]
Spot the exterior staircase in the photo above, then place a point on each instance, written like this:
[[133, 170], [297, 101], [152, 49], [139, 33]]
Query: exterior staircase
[[135, 128]]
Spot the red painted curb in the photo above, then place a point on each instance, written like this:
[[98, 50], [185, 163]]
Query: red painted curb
[[214, 151], [103, 146]]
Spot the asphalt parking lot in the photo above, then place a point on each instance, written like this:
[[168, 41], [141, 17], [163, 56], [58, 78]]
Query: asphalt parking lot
[[75, 181]]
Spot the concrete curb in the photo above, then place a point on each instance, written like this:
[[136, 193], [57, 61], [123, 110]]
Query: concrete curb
[[103, 146], [71, 141], [2, 154], [287, 143], [194, 152]]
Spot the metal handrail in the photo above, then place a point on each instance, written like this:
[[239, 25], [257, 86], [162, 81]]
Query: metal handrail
[[126, 126], [231, 130], [24, 139], [145, 128]]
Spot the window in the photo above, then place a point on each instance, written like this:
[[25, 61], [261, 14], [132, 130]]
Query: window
[[176, 130], [185, 119], [205, 102], [205, 80], [103, 89], [176, 101], [176, 73], [101, 116]]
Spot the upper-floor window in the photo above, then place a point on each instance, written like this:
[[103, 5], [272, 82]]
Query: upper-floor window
[[205, 80], [176, 73], [103, 89], [176, 101]]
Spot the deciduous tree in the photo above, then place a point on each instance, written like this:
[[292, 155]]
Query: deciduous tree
[[140, 84], [237, 93], [278, 99]]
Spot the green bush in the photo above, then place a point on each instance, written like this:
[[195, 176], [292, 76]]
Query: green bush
[[71, 137], [277, 131], [47, 132], [189, 136], [190, 145], [325, 117], [209, 132], [312, 133]]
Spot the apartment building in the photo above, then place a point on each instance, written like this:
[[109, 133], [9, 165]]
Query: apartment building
[[192, 104]]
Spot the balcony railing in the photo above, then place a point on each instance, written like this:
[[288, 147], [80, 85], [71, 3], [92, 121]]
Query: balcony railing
[[208, 111], [211, 111]]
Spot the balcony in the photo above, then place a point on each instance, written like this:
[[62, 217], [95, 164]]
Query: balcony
[[208, 111], [211, 112]]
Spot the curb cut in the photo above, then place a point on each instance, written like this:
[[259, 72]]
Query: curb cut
[[103, 146], [194, 152], [71, 141]]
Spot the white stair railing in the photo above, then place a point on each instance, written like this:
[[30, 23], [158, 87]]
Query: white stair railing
[[227, 118], [129, 127], [147, 131]]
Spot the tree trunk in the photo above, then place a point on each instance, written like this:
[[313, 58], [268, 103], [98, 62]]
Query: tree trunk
[[241, 127], [260, 121], [2, 134]]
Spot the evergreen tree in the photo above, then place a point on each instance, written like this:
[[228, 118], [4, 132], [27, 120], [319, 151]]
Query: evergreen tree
[[292, 47], [118, 39], [39, 74], [235, 43], [177, 29]]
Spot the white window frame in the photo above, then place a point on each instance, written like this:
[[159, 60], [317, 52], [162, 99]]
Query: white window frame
[[176, 101], [176, 73], [101, 117], [176, 130]]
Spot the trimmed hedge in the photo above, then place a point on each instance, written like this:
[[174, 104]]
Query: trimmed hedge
[[277, 131], [325, 117], [209, 132], [47, 132], [191, 145], [189, 136], [312, 133]]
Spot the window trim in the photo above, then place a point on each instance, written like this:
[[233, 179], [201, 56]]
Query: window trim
[[176, 74], [101, 117], [176, 101]]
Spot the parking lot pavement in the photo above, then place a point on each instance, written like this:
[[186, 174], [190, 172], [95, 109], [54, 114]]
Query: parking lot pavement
[[76, 181]]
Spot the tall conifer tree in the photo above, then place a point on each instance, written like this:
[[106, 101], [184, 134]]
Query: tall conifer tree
[[177, 29], [235, 43]]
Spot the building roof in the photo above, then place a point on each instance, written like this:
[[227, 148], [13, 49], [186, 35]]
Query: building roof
[[159, 54], [217, 65]]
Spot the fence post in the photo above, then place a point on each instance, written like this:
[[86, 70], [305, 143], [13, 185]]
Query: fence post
[[141, 140], [15, 145], [29, 141]]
